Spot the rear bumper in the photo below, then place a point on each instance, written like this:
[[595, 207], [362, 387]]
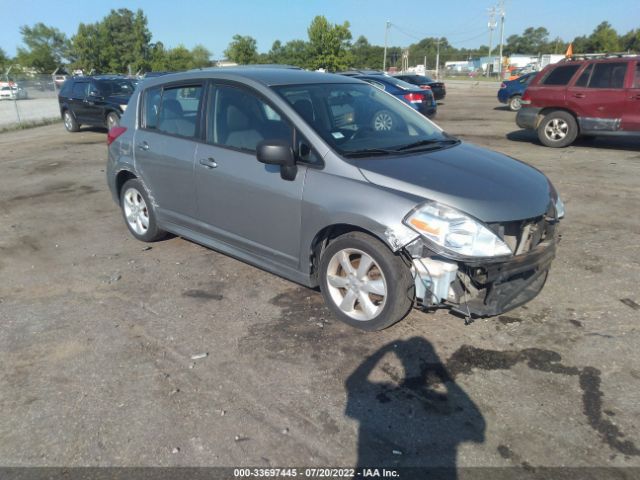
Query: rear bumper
[[527, 117]]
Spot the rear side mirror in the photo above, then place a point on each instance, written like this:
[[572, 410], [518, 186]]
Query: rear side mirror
[[278, 152]]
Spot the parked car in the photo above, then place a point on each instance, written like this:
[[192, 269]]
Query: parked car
[[282, 169], [568, 99], [511, 91], [97, 101], [438, 88], [417, 98], [12, 91]]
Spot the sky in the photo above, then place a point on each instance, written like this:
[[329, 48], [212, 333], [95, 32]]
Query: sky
[[213, 23]]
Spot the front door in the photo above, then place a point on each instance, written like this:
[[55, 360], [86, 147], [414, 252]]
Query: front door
[[165, 146], [243, 202]]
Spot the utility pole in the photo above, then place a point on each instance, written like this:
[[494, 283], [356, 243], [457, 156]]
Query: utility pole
[[501, 12], [492, 26], [437, 57], [386, 35]]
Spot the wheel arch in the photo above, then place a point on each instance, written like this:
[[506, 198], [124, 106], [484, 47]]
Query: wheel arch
[[121, 178]]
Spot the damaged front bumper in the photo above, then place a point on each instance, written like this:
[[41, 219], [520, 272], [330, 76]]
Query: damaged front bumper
[[481, 288]]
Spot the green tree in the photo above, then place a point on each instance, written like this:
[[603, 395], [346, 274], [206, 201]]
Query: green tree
[[242, 50], [532, 42], [200, 57], [119, 43], [366, 55], [46, 47], [631, 41], [604, 39], [329, 45], [4, 61]]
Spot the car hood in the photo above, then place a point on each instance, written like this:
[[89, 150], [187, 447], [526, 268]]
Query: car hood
[[487, 185]]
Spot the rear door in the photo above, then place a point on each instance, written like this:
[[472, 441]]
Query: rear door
[[165, 145], [79, 92], [598, 96], [631, 113], [551, 89]]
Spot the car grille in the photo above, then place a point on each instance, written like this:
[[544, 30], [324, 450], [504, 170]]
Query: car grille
[[525, 235]]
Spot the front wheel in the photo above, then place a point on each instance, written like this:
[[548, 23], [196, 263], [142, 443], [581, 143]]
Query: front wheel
[[138, 212], [515, 103], [365, 284], [558, 129]]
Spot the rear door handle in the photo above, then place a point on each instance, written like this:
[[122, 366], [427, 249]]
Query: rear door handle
[[208, 162], [579, 95], [143, 146]]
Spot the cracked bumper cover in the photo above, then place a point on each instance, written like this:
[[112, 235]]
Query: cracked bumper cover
[[508, 284]]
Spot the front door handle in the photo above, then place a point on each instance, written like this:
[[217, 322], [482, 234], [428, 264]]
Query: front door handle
[[143, 146], [635, 97], [208, 162], [579, 95]]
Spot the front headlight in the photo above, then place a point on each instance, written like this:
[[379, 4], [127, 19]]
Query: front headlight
[[123, 107], [559, 208], [455, 232]]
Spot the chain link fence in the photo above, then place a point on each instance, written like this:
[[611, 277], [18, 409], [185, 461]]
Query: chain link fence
[[28, 100]]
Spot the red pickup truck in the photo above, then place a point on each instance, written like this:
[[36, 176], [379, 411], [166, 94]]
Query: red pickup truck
[[583, 97]]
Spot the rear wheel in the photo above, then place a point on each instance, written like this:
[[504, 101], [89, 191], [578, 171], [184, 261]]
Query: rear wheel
[[382, 121], [365, 284], [515, 103], [138, 212], [558, 129], [70, 122], [112, 120]]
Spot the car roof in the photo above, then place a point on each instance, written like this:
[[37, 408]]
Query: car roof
[[267, 75]]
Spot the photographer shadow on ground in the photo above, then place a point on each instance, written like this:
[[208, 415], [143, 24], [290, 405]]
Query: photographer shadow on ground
[[411, 411]]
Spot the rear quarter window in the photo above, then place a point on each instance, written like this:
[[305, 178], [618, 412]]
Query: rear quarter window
[[560, 75]]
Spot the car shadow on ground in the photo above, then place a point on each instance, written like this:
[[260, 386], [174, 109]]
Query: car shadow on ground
[[503, 108], [410, 410], [94, 129], [611, 143]]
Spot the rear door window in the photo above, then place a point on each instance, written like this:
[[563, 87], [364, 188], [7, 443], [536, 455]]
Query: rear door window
[[560, 75], [583, 80], [179, 110], [79, 90], [608, 75], [636, 80]]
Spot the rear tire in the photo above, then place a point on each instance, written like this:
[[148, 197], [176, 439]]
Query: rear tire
[[112, 120], [70, 122], [138, 212], [365, 284], [558, 129], [382, 121], [515, 103]]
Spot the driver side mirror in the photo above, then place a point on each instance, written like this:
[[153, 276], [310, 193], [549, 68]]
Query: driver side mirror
[[278, 152]]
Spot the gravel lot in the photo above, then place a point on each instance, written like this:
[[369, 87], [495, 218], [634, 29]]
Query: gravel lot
[[97, 334]]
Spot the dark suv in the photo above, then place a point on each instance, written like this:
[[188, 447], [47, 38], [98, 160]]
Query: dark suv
[[598, 96], [97, 101]]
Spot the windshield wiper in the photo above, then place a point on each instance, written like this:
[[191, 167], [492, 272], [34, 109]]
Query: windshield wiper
[[366, 152], [425, 143]]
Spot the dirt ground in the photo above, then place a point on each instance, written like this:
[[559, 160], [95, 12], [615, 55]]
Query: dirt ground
[[97, 334]]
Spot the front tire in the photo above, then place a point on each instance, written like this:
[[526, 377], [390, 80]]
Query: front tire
[[70, 122], [365, 284], [558, 129], [515, 103], [138, 212]]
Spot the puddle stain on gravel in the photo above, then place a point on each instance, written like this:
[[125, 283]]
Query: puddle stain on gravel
[[202, 294], [467, 358], [630, 303]]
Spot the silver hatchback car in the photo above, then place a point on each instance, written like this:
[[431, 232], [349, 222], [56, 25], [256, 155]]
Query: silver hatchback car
[[297, 173]]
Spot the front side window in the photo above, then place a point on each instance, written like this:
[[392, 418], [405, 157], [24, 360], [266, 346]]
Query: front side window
[[608, 75], [358, 120], [239, 119], [122, 87], [560, 75]]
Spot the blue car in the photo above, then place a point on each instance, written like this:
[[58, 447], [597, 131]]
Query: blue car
[[511, 90], [421, 100]]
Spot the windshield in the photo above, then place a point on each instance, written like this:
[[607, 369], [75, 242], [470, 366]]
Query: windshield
[[116, 87], [359, 119]]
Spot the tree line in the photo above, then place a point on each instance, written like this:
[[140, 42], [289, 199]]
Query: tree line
[[122, 43]]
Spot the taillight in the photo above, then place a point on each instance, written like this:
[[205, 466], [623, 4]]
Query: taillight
[[425, 87], [503, 85], [414, 97], [526, 98], [114, 133]]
